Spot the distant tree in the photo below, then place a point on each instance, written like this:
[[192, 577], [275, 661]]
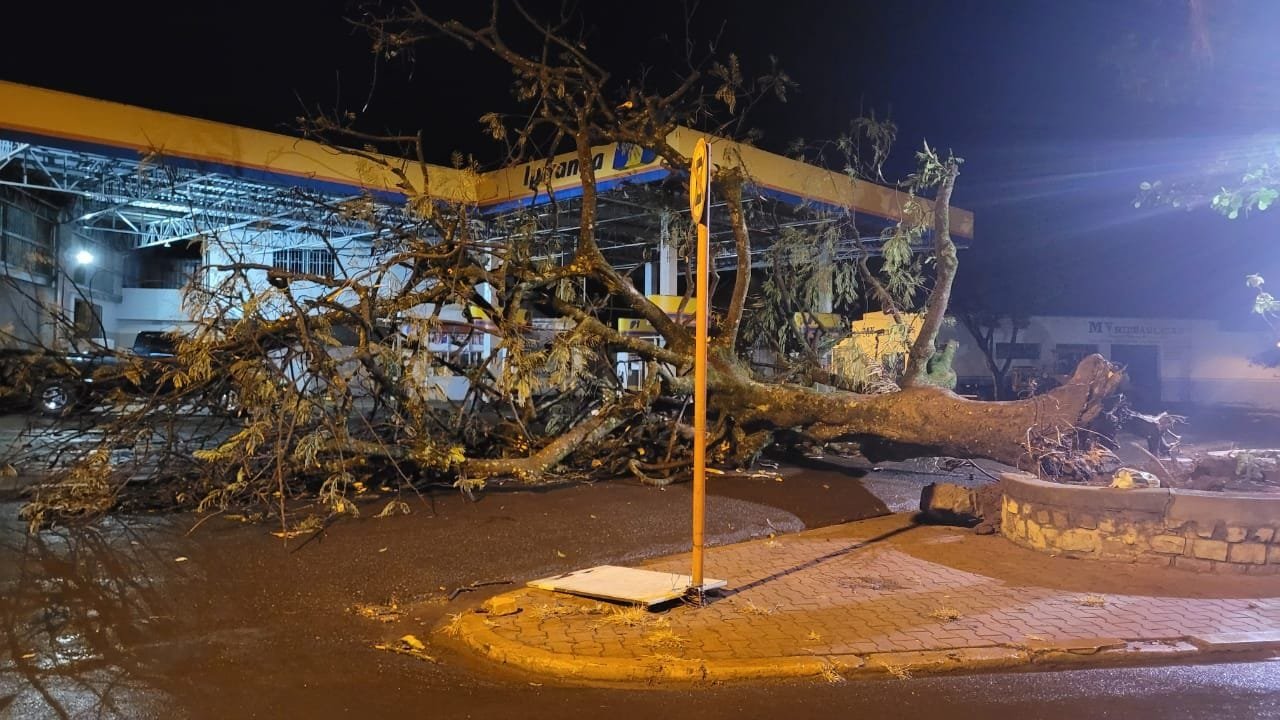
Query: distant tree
[[985, 326]]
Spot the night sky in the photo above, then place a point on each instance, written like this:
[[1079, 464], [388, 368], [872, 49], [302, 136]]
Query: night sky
[[1060, 108]]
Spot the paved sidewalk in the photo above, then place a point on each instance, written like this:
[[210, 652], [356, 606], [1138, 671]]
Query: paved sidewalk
[[885, 596]]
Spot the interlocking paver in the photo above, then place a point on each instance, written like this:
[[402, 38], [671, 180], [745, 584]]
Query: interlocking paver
[[839, 591]]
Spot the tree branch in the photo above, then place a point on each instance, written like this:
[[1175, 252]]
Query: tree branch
[[731, 183], [946, 262]]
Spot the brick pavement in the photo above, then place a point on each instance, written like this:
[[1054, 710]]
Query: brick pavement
[[863, 589]]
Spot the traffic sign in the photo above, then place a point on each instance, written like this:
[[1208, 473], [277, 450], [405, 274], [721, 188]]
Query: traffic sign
[[700, 180]]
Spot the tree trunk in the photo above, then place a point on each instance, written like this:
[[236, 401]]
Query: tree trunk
[[998, 380], [946, 262], [922, 421]]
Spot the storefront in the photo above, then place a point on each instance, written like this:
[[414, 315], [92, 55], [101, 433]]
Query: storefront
[[1168, 361]]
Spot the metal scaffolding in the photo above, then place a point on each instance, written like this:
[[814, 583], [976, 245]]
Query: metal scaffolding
[[149, 201]]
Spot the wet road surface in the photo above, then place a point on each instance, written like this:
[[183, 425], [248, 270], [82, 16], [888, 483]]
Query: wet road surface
[[140, 617], [36, 446]]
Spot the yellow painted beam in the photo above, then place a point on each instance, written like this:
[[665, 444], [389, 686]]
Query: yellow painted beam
[[519, 184], [809, 183], [77, 122], [788, 179]]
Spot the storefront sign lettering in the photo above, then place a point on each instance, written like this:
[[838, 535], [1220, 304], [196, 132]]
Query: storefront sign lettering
[[1107, 327]]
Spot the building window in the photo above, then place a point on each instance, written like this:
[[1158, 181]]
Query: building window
[[308, 261], [159, 272], [27, 238], [1017, 351], [1068, 356], [88, 319]]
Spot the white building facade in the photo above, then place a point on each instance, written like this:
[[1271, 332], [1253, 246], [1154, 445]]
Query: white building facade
[[1169, 361]]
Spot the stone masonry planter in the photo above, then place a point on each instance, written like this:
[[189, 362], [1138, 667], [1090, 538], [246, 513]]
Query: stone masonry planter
[[1202, 531]]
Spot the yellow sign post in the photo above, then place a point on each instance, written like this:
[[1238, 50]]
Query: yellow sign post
[[699, 207]]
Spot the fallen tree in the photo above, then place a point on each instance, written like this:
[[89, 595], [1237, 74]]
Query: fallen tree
[[335, 374]]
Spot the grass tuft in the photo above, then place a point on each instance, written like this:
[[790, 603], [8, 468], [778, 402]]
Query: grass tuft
[[946, 614]]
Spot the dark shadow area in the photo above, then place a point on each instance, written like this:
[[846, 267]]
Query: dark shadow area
[[819, 492], [997, 558], [1216, 427], [824, 558]]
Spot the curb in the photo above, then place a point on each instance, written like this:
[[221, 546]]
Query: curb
[[474, 634]]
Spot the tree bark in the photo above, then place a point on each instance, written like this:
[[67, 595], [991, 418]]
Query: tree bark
[[531, 469], [924, 420], [946, 262], [732, 187]]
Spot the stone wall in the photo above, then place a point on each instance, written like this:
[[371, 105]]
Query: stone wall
[[1202, 531]]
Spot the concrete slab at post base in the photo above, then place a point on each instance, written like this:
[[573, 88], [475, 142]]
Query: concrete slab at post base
[[624, 584]]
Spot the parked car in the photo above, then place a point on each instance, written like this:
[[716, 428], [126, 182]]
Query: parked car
[[63, 384]]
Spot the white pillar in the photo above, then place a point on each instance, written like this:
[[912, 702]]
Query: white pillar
[[668, 258], [486, 338], [826, 283]]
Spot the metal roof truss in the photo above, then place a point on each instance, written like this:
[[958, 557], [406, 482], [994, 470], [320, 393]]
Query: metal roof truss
[[148, 202]]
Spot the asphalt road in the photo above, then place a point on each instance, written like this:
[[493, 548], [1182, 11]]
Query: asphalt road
[[35, 445], [139, 617]]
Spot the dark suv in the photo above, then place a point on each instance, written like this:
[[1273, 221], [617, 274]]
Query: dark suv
[[155, 344], [63, 384]]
